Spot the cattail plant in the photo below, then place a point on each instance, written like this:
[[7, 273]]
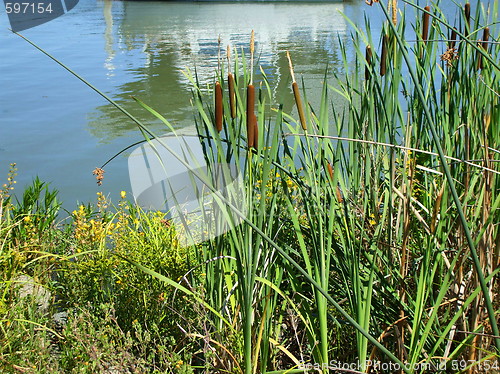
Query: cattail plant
[[296, 94], [383, 58]]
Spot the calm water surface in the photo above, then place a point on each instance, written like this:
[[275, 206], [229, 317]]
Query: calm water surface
[[54, 126]]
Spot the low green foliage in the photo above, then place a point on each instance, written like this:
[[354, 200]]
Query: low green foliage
[[97, 270], [98, 312]]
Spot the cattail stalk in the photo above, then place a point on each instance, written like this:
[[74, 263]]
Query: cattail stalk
[[368, 56], [383, 58], [251, 119], [255, 133], [425, 24], [218, 53], [296, 94], [395, 12], [252, 50]]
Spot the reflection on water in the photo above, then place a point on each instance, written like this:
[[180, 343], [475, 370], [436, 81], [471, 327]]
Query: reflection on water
[[55, 127], [171, 37], [108, 35]]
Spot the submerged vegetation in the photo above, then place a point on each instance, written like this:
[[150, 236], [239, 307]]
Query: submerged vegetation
[[370, 241]]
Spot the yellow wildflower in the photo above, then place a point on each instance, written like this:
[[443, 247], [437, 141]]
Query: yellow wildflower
[[372, 219]]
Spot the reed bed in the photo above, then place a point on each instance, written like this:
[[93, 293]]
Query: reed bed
[[371, 234]]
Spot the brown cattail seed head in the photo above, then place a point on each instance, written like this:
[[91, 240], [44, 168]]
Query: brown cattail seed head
[[219, 110], [484, 45], [368, 55], [298, 102], [383, 58], [330, 170], [425, 24], [340, 197], [230, 83], [467, 18], [486, 37], [480, 44], [453, 38], [296, 94]]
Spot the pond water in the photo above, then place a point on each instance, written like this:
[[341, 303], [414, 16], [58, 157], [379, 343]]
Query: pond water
[[54, 126]]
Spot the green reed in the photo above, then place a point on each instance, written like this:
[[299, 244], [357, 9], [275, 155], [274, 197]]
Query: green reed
[[374, 245]]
